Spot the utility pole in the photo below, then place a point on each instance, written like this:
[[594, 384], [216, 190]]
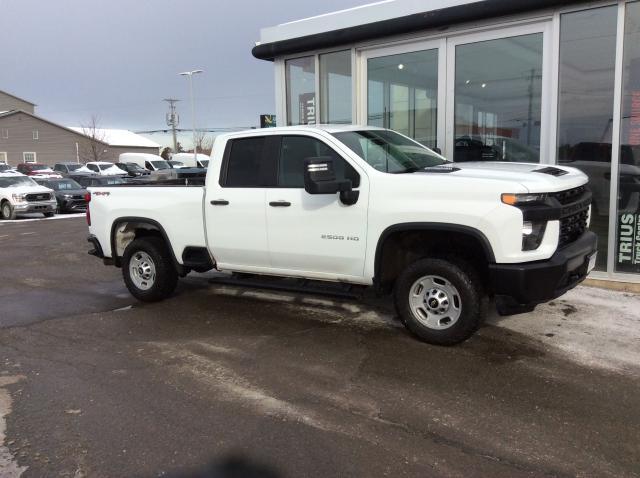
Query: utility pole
[[172, 120]]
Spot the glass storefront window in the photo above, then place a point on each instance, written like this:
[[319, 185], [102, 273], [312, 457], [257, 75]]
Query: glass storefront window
[[301, 90], [402, 94], [628, 219], [335, 87], [585, 107], [498, 89]]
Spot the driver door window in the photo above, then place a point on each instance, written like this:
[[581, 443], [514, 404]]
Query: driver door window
[[295, 149]]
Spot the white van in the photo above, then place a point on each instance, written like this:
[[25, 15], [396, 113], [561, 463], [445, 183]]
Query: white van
[[152, 162], [200, 161]]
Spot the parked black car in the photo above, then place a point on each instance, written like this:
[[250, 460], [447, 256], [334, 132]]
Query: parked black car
[[66, 168], [133, 170], [97, 180], [69, 194]]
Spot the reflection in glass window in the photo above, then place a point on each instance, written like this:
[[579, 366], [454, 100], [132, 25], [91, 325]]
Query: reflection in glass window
[[498, 93], [628, 224], [402, 94], [585, 106], [335, 87], [301, 90]]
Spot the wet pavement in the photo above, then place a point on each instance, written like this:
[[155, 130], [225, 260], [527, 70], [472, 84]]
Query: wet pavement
[[220, 379]]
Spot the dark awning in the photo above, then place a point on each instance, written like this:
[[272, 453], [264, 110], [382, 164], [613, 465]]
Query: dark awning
[[433, 19]]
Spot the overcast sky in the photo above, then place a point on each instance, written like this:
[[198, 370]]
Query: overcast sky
[[118, 59]]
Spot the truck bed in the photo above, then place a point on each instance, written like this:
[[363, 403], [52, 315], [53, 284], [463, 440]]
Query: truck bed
[[177, 209]]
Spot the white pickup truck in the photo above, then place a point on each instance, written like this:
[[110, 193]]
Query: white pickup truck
[[358, 205]]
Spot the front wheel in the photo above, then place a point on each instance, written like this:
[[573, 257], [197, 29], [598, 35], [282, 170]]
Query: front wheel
[[440, 302], [148, 270], [7, 212], [49, 214]]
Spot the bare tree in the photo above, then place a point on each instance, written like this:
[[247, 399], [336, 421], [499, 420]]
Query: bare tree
[[204, 142], [94, 148]]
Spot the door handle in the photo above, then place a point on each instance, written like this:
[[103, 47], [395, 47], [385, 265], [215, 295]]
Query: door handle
[[279, 204], [220, 202]]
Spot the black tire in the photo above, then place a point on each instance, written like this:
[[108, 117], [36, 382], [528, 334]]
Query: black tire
[[469, 295], [7, 212], [166, 276], [49, 214]]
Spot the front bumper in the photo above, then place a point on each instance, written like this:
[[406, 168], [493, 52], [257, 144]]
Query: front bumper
[[520, 287], [35, 206], [76, 205]]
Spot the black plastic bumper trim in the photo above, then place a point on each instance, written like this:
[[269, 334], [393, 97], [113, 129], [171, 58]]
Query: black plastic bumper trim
[[532, 283]]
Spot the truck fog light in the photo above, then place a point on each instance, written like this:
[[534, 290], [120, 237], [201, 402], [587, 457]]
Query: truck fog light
[[532, 235]]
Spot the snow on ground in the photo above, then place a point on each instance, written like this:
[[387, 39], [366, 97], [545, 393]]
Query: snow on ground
[[597, 327], [39, 217]]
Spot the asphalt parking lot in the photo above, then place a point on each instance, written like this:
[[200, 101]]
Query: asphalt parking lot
[[220, 380]]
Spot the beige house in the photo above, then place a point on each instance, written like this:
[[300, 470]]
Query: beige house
[[26, 137]]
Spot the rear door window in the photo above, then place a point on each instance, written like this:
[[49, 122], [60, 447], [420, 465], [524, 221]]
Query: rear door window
[[244, 165]]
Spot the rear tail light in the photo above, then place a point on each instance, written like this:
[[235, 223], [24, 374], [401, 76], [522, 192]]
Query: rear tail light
[[87, 198]]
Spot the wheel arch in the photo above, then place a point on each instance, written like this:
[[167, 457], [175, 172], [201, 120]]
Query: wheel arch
[[120, 239], [457, 235]]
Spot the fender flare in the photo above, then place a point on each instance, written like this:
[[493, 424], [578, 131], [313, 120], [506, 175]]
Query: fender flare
[[144, 220], [429, 226]]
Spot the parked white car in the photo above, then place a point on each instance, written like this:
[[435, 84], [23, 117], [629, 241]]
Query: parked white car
[[103, 168], [20, 194], [199, 161]]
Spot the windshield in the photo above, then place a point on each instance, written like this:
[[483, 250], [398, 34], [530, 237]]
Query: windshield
[[104, 166], [160, 165], [66, 185], [40, 167], [389, 152], [135, 167], [4, 167], [16, 181], [73, 167], [176, 163]]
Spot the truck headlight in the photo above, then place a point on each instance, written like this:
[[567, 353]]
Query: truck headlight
[[521, 199], [532, 234], [19, 197]]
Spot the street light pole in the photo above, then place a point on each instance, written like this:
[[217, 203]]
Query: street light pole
[[193, 109]]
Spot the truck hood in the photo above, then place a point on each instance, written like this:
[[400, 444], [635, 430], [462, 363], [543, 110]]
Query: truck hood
[[27, 189], [535, 177]]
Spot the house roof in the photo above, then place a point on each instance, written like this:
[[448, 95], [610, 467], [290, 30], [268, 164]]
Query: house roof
[[382, 19], [17, 97], [109, 137], [4, 114], [119, 137]]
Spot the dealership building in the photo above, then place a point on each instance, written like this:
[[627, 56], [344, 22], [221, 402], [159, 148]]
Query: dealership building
[[554, 82]]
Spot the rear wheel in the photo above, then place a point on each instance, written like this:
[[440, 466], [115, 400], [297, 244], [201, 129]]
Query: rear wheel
[[6, 211], [439, 301], [148, 270]]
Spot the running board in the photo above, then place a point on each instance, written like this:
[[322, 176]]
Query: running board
[[285, 284]]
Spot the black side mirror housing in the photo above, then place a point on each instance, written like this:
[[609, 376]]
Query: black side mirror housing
[[437, 150], [320, 178]]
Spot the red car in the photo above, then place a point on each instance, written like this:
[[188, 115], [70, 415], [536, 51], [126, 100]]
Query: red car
[[37, 170]]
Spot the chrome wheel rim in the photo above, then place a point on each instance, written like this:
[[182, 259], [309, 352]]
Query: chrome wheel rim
[[435, 302], [142, 270]]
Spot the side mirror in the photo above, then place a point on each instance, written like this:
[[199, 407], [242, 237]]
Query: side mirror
[[320, 178], [437, 150]]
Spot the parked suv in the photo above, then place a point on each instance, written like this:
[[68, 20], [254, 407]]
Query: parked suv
[[37, 170], [21, 195], [66, 168], [69, 194]]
